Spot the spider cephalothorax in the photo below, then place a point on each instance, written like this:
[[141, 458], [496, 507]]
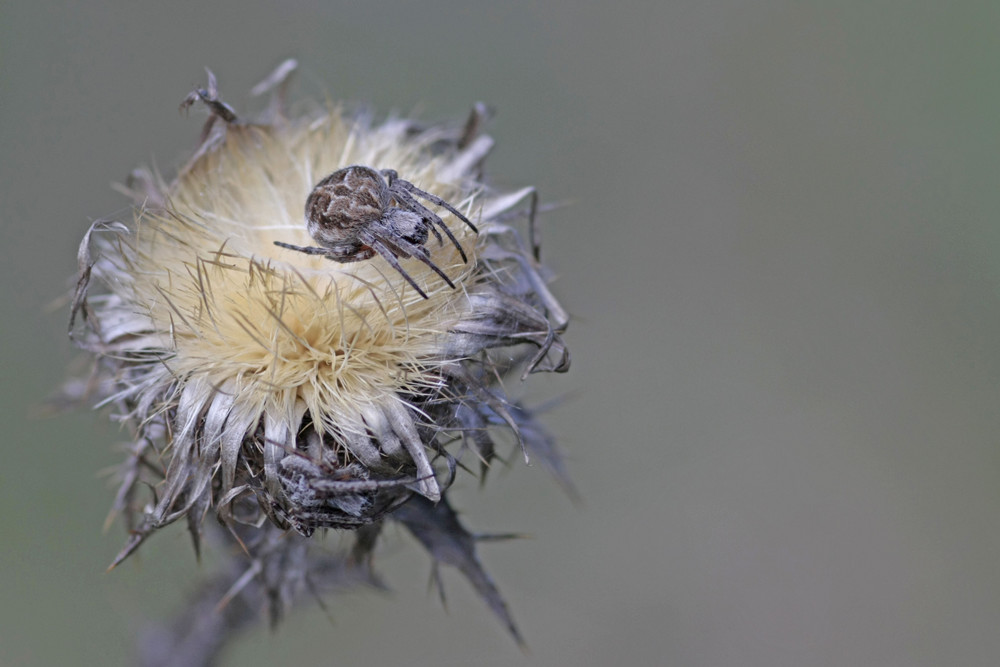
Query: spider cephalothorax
[[357, 211]]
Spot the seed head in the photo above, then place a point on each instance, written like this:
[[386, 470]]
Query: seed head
[[285, 391]]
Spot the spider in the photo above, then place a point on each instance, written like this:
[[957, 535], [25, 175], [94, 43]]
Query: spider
[[356, 212]]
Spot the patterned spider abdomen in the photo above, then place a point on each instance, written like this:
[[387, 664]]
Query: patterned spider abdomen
[[347, 200]]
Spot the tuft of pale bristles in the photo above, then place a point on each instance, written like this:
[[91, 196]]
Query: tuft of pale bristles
[[281, 328], [288, 391]]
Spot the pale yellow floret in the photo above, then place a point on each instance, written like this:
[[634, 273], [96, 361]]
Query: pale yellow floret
[[287, 327]]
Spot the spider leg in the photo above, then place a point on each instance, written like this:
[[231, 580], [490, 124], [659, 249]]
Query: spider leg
[[407, 200], [412, 189], [386, 253], [309, 250], [416, 251], [391, 247], [436, 233], [335, 254], [390, 176]]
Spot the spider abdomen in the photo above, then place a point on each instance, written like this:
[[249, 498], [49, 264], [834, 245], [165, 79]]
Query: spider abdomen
[[347, 200]]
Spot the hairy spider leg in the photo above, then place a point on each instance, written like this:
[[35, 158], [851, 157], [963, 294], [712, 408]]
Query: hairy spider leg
[[328, 252], [309, 250], [387, 253], [408, 201], [391, 248], [409, 188], [408, 249], [387, 248], [434, 199]]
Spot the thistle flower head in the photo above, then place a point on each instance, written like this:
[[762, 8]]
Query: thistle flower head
[[278, 387]]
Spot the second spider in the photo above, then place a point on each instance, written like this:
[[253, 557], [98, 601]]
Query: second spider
[[356, 212]]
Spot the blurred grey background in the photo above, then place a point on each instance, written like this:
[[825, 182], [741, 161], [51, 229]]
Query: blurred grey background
[[782, 254]]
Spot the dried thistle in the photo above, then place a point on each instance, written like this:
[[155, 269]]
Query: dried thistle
[[285, 392]]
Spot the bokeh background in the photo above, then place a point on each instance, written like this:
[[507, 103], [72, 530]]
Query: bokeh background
[[782, 252]]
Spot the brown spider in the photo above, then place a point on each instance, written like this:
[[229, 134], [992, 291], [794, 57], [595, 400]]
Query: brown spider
[[357, 211]]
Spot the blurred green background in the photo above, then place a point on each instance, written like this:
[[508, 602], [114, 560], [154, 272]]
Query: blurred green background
[[782, 256]]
